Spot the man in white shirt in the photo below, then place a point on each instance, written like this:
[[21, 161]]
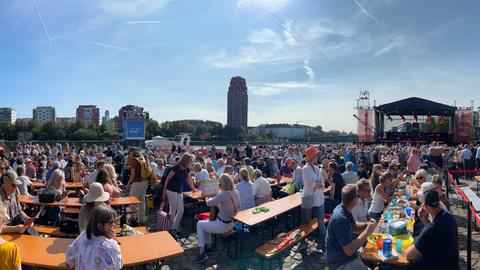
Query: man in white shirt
[[349, 176], [360, 211], [158, 171]]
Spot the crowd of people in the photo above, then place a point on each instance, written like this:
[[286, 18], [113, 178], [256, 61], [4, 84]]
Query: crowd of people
[[361, 181]]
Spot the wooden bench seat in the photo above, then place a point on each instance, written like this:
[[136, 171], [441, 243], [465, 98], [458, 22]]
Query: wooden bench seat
[[55, 231], [268, 250]]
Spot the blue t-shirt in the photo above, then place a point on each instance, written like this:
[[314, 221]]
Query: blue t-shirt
[[438, 243], [339, 234]]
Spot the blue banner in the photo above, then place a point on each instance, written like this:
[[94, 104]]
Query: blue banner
[[134, 130]]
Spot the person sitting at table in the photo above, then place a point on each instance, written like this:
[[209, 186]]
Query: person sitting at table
[[95, 247], [297, 179], [380, 197], [245, 189], [375, 176], [360, 211], [172, 190], [396, 177], [221, 167], [437, 245], [96, 196], [23, 188], [57, 182], [261, 188], [227, 202], [18, 221], [421, 176], [103, 178], [9, 251], [200, 174], [362, 173], [51, 166], [341, 243], [349, 176], [30, 170], [337, 183], [79, 169], [437, 181], [112, 176], [93, 175]]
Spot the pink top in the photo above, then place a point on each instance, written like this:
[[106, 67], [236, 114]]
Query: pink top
[[413, 163]]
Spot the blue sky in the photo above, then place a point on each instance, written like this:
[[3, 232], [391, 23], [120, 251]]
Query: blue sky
[[304, 61]]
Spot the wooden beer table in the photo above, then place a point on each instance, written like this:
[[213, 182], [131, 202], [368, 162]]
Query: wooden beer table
[[75, 202], [49, 252], [283, 181], [68, 185]]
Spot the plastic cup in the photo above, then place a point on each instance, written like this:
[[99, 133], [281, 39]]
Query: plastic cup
[[394, 201], [388, 215], [407, 197], [398, 245], [408, 211], [379, 243]]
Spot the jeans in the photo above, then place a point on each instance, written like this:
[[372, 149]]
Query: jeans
[[320, 214]]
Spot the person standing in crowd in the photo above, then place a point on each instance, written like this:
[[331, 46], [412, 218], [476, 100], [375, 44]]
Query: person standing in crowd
[[9, 251], [138, 186], [437, 245], [262, 191], [349, 176], [360, 211], [159, 170], [96, 196], [413, 163], [104, 179], [342, 245], [313, 198], [172, 190], [245, 189], [227, 202], [200, 174], [375, 176], [30, 170], [95, 247], [380, 197], [337, 183]]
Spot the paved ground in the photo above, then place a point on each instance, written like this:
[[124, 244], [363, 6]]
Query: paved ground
[[309, 258]]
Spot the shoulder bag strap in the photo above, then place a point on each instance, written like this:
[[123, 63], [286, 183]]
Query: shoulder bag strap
[[233, 203]]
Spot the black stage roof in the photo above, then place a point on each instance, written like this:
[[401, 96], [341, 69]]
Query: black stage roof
[[416, 106]]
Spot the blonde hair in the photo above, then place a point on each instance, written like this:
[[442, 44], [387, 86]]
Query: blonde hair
[[227, 182], [244, 174], [186, 159], [197, 167], [256, 174], [111, 173], [57, 179]]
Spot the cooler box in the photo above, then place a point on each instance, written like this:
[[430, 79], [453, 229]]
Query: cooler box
[[397, 227]]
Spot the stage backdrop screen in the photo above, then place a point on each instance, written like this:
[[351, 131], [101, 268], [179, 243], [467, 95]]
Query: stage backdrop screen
[[463, 125], [134, 130]]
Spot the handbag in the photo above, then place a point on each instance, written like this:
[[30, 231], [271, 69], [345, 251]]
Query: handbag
[[129, 231], [163, 218], [46, 196], [69, 226]]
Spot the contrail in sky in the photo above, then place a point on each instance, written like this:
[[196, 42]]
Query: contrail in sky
[[44, 25], [364, 10], [108, 46], [144, 22]]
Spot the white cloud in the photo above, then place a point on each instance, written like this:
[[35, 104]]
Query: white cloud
[[131, 8], [268, 5], [271, 89], [268, 46], [308, 70], [396, 42], [287, 32]]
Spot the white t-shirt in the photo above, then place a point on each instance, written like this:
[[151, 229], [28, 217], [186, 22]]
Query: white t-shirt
[[201, 175], [360, 210], [311, 176], [261, 188], [159, 172], [220, 170], [25, 183]]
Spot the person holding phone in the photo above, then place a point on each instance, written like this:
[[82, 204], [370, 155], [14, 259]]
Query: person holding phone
[[18, 220]]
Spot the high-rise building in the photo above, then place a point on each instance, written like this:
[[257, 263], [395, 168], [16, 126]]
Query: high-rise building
[[237, 107], [106, 117], [8, 115], [44, 114], [131, 112], [90, 114]]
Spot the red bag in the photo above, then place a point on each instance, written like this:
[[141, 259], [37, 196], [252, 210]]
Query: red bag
[[163, 218]]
